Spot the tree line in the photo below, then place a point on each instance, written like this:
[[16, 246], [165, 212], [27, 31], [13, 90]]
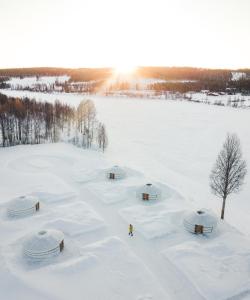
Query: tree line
[[76, 75], [196, 79], [184, 73], [87, 74], [195, 86], [27, 121], [3, 84]]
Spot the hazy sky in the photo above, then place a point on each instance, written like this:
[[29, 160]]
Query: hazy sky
[[78, 33]]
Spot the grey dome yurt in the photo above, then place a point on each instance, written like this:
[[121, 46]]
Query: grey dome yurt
[[148, 192], [23, 206], [44, 244], [200, 222], [116, 172]]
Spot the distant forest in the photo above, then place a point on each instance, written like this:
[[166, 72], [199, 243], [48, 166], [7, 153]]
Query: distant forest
[[212, 85], [81, 74], [27, 121], [196, 79]]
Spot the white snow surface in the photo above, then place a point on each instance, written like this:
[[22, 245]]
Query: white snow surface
[[33, 80], [170, 144], [238, 75]]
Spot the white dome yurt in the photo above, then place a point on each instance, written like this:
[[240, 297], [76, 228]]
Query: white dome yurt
[[116, 172], [148, 192], [23, 206], [44, 244], [200, 222]]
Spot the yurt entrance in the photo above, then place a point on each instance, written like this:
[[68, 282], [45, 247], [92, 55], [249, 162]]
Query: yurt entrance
[[61, 246], [145, 196], [198, 229], [37, 206], [111, 176]]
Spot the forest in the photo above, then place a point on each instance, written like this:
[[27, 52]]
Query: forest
[[187, 79], [196, 86], [87, 74], [81, 74], [27, 121]]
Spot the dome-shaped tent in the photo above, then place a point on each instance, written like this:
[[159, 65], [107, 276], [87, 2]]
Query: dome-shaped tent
[[116, 172], [44, 244], [200, 221], [148, 192], [22, 206]]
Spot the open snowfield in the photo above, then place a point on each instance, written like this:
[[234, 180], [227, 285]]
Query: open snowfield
[[172, 144], [33, 81]]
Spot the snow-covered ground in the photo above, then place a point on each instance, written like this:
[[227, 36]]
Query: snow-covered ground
[[238, 75], [33, 81], [171, 144], [241, 100], [100, 260]]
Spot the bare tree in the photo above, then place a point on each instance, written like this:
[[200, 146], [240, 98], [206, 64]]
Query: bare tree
[[85, 117], [26, 121], [228, 173], [102, 137]]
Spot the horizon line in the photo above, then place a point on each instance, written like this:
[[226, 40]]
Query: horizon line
[[113, 67]]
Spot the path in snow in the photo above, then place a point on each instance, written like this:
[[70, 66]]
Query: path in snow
[[148, 251]]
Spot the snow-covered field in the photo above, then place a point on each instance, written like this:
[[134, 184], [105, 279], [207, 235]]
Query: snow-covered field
[[171, 144], [33, 81], [242, 101]]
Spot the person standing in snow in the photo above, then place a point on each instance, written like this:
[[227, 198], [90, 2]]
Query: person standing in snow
[[130, 230]]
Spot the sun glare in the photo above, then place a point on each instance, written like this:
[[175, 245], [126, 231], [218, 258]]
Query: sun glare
[[124, 69]]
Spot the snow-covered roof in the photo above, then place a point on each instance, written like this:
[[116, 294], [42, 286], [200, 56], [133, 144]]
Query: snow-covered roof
[[22, 205], [150, 189], [43, 243], [203, 217]]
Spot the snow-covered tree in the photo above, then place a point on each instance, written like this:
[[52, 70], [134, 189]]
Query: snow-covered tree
[[102, 137], [85, 118]]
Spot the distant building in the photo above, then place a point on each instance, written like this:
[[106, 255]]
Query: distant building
[[116, 172], [200, 222], [23, 206], [44, 244], [148, 192]]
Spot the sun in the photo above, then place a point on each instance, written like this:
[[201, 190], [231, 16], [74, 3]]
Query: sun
[[124, 69]]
